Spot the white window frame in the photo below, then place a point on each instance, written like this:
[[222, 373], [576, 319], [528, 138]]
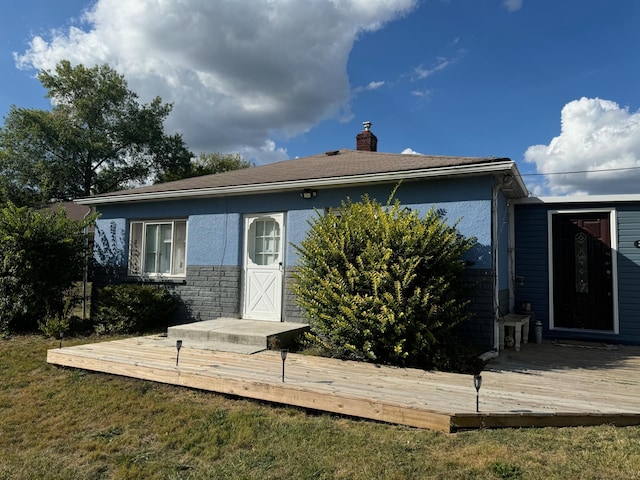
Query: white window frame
[[138, 245]]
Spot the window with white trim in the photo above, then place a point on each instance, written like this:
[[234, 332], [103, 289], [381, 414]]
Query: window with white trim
[[158, 247]]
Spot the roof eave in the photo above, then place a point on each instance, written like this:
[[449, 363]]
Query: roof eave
[[578, 199], [516, 188], [235, 190]]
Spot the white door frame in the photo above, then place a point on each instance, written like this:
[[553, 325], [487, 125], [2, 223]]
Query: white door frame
[[263, 266], [613, 228]]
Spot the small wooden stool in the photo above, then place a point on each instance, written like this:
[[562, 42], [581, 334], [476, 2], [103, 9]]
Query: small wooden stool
[[517, 322]]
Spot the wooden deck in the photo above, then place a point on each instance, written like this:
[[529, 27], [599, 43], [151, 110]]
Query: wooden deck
[[542, 385]]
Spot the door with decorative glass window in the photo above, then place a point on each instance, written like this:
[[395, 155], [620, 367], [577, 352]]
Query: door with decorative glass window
[[263, 266], [583, 294]]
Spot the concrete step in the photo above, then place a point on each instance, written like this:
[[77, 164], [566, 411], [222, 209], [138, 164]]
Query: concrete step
[[211, 345], [233, 334]]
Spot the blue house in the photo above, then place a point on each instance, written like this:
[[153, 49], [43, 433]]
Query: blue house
[[224, 243], [577, 263]]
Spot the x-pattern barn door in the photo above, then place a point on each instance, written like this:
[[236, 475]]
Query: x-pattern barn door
[[263, 266]]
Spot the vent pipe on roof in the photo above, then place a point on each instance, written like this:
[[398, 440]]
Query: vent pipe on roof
[[366, 140]]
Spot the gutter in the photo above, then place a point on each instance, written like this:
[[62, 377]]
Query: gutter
[[512, 257], [494, 253], [236, 190]]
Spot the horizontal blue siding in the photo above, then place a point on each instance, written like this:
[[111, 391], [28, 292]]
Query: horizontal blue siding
[[629, 271], [531, 265]]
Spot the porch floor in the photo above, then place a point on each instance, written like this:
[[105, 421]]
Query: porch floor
[[541, 385]]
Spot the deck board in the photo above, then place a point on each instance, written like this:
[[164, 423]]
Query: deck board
[[542, 385]]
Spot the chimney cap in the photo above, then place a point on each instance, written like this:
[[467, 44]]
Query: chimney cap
[[367, 126]]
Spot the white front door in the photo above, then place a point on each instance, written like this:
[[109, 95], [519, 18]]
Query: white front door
[[263, 266]]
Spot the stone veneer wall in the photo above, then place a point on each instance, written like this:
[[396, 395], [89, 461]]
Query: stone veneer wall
[[206, 293], [209, 292], [291, 310]]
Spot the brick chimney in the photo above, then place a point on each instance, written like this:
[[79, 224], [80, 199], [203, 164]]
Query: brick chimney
[[366, 140]]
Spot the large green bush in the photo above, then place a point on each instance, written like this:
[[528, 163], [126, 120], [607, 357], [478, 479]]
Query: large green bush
[[41, 256], [379, 283], [133, 308]]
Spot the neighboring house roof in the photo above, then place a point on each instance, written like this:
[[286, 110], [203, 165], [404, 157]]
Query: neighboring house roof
[[73, 211], [330, 169]]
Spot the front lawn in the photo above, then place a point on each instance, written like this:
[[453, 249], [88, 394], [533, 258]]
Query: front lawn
[[72, 424]]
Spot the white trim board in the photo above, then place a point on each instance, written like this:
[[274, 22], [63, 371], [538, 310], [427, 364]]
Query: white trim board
[[613, 231], [579, 199]]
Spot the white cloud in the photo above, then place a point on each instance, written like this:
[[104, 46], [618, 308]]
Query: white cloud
[[410, 151], [421, 93], [237, 71], [440, 64], [512, 5], [374, 85], [267, 152], [368, 87], [599, 140]]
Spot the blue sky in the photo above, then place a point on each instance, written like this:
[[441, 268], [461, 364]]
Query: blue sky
[[551, 84]]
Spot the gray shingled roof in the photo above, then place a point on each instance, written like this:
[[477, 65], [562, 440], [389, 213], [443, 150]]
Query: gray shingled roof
[[339, 164]]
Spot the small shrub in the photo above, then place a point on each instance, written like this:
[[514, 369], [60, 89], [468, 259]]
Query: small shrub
[[69, 325], [130, 308], [54, 325]]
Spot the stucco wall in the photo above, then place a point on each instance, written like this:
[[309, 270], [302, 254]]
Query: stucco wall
[[215, 225]]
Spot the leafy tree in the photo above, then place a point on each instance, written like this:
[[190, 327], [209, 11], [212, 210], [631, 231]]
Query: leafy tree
[[41, 256], [96, 138], [205, 164], [379, 283]]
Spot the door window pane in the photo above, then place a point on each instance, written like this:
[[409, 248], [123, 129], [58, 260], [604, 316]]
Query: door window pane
[[582, 263], [264, 241]]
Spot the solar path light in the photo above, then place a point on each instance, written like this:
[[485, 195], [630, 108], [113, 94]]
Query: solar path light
[[477, 382], [178, 347], [283, 355]]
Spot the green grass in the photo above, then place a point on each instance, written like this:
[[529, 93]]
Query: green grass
[[70, 424]]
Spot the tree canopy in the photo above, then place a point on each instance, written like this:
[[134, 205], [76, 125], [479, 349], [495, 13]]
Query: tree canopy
[[205, 164], [41, 256], [96, 138]]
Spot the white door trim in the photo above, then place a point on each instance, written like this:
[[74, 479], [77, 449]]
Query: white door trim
[[613, 228], [263, 266]]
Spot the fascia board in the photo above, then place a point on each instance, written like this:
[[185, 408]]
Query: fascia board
[[577, 199], [464, 170]]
